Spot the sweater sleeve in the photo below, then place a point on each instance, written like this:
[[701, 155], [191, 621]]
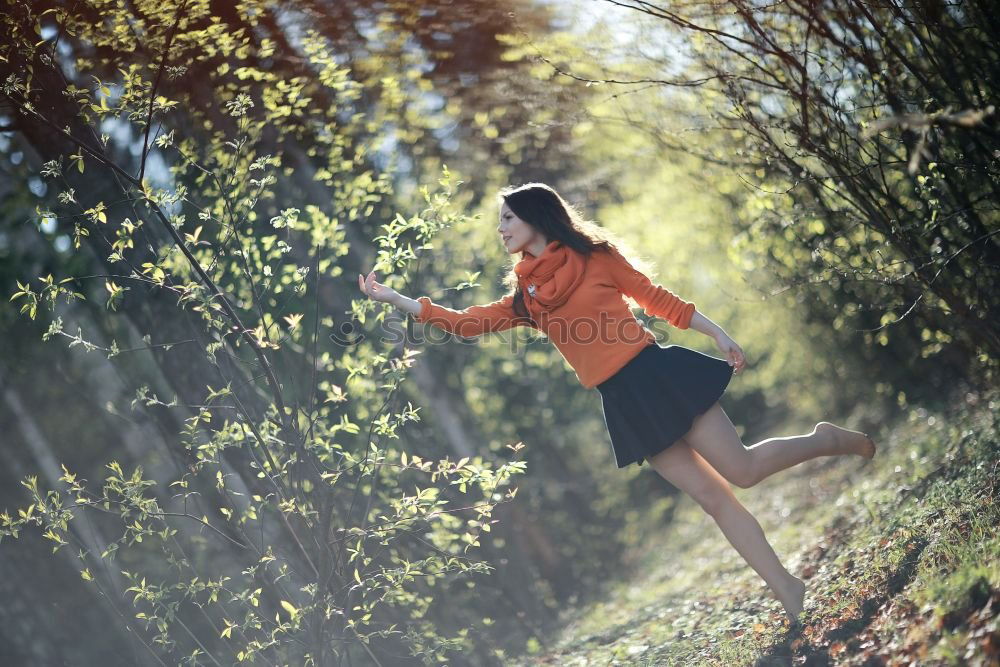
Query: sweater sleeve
[[656, 300], [472, 321]]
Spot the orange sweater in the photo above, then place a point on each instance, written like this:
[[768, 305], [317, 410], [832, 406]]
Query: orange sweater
[[592, 326]]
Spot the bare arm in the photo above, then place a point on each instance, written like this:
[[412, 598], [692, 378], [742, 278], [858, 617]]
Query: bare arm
[[472, 321], [406, 304], [706, 326], [732, 350]]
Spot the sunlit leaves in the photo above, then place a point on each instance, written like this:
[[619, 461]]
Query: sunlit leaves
[[155, 272], [49, 292], [290, 608], [240, 151], [239, 106], [115, 294], [165, 140], [334, 393], [51, 169], [30, 305], [288, 217], [192, 238]]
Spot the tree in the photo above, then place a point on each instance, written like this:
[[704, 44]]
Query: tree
[[865, 136], [287, 509]]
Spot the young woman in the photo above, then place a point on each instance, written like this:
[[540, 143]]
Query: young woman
[[660, 403]]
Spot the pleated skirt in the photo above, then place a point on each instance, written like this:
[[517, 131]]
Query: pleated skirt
[[654, 399]]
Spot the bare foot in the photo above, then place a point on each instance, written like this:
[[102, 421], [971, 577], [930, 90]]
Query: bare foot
[[792, 597], [847, 441]]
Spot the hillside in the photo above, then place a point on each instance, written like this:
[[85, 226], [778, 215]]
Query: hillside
[[900, 554]]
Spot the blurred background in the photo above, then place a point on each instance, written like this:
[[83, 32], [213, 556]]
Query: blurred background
[[189, 190]]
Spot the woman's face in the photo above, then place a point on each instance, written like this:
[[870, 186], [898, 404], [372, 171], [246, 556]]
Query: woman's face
[[516, 234]]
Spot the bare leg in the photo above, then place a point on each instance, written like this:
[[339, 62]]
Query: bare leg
[[683, 467], [714, 437]]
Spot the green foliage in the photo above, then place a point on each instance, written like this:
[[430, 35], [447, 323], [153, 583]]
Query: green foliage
[[49, 292], [858, 138], [301, 530], [217, 177]]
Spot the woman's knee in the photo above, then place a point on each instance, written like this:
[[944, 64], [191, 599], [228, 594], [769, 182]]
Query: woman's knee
[[745, 476], [739, 472]]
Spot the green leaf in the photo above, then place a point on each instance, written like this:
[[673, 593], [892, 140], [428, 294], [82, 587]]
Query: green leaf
[[290, 608]]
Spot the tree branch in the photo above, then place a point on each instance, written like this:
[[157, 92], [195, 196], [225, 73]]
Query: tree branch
[[156, 84]]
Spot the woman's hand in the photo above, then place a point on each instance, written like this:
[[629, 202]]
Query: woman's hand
[[376, 290], [733, 352]]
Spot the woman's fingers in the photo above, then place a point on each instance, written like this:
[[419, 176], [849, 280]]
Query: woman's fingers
[[736, 358], [366, 283]]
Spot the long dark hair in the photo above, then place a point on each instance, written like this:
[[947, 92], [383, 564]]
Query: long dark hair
[[557, 220]]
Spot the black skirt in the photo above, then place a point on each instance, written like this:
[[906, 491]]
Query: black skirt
[[652, 400]]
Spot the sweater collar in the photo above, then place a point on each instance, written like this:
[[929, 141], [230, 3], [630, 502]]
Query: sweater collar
[[548, 279]]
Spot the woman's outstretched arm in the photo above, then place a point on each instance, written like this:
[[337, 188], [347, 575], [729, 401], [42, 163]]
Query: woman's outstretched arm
[[406, 304], [472, 321]]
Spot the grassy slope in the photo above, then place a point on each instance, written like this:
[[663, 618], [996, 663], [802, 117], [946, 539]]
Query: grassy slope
[[901, 557]]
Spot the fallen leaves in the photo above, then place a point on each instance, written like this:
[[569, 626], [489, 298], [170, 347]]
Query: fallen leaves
[[868, 601]]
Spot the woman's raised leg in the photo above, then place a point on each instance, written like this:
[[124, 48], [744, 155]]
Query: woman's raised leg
[[683, 467], [714, 437]]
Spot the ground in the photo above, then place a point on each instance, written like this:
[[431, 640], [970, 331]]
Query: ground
[[900, 555]]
